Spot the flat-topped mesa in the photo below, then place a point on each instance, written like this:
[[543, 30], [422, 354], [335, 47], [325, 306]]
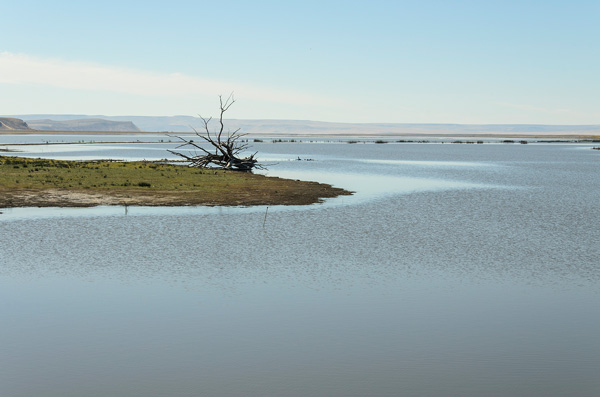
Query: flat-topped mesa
[[91, 124], [12, 124]]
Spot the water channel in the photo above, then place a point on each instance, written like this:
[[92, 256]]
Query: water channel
[[453, 270]]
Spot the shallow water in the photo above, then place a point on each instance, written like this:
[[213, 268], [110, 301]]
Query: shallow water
[[454, 270]]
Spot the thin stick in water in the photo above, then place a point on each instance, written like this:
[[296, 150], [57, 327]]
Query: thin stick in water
[[265, 221]]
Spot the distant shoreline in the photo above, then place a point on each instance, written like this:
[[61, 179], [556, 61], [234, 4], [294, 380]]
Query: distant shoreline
[[582, 137]]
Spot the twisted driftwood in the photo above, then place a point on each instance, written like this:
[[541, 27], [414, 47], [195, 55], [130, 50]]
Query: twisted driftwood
[[225, 147]]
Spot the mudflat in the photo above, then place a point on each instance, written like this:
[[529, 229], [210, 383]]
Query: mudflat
[[57, 183]]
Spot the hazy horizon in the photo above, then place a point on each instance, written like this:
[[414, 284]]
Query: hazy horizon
[[183, 124], [72, 116]]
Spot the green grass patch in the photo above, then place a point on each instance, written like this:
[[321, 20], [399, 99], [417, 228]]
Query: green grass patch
[[148, 183], [25, 173]]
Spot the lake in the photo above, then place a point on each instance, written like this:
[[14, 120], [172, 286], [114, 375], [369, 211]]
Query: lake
[[454, 270]]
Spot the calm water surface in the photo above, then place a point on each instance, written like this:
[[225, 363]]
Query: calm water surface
[[454, 270]]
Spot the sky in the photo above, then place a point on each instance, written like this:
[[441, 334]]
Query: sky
[[426, 61]]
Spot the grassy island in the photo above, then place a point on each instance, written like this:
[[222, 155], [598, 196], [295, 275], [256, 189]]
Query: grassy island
[[57, 183]]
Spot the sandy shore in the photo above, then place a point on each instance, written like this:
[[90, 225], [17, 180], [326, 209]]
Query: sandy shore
[[290, 193]]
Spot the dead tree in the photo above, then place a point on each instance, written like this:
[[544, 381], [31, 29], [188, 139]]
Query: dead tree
[[224, 147]]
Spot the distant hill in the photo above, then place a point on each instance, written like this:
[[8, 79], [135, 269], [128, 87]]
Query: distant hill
[[91, 124], [12, 124], [179, 124]]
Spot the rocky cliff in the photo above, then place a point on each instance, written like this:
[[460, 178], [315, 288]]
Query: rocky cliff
[[10, 124]]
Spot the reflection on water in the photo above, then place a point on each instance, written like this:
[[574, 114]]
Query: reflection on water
[[375, 186], [430, 163], [433, 280]]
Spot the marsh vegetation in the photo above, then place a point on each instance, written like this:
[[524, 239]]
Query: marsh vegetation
[[44, 182]]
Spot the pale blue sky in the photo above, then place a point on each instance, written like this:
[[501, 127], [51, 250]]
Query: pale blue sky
[[422, 61]]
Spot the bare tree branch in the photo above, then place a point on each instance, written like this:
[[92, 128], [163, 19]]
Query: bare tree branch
[[226, 151]]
